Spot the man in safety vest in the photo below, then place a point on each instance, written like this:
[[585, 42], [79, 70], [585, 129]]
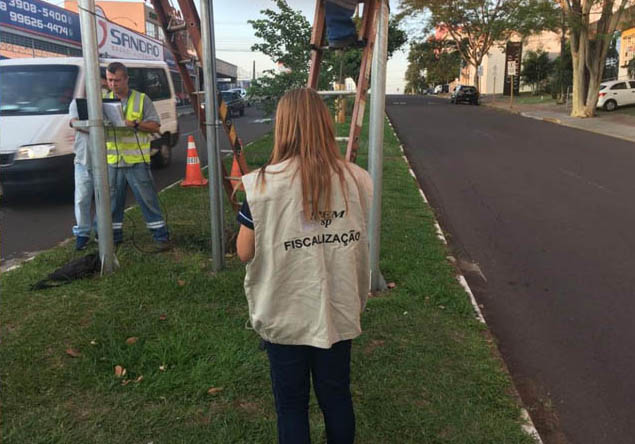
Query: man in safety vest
[[128, 154]]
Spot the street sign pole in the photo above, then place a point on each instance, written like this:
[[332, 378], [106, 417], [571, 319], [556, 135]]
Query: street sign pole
[[211, 134], [97, 146], [376, 142], [511, 93]]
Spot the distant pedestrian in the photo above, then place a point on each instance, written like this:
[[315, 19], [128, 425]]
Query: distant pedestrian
[[128, 154], [304, 232]]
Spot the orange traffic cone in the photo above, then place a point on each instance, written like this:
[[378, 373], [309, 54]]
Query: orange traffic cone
[[237, 183], [193, 175]]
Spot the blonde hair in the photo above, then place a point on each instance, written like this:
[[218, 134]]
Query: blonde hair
[[304, 132]]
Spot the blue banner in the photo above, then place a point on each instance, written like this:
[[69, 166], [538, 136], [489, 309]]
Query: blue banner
[[39, 17]]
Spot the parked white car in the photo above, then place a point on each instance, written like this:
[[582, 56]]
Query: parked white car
[[616, 93]]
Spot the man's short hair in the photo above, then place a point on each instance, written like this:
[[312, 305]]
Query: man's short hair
[[117, 66]]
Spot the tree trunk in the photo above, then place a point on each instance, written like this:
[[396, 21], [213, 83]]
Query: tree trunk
[[579, 47]]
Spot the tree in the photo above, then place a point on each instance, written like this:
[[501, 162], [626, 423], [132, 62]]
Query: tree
[[630, 69], [437, 58], [562, 77], [475, 25], [589, 46], [612, 63], [286, 37], [536, 70]]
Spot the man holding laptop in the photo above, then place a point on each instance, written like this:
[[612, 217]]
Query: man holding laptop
[[128, 155]]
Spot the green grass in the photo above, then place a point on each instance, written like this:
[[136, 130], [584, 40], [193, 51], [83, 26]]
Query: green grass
[[422, 372], [530, 99]]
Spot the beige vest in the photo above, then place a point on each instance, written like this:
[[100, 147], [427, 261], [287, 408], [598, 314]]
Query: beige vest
[[308, 281]]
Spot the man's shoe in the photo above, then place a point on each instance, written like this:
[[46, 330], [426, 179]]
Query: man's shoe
[[81, 242], [161, 246]]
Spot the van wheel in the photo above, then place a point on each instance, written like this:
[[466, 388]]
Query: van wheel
[[163, 157], [610, 105]]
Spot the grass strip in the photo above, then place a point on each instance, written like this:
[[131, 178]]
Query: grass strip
[[422, 372]]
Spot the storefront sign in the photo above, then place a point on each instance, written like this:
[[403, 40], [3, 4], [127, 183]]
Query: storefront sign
[[38, 17], [115, 41]]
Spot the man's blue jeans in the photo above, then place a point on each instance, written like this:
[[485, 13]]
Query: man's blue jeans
[[84, 193], [339, 23], [291, 369], [139, 177]]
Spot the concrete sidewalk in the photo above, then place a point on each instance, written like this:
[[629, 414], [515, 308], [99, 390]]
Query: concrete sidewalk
[[616, 124]]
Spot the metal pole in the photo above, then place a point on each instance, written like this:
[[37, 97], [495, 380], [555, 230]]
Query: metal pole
[[376, 142], [97, 146], [211, 133]]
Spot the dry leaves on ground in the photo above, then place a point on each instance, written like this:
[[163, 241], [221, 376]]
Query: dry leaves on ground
[[214, 390], [73, 353]]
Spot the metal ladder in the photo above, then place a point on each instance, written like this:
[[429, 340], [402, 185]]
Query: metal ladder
[[367, 34], [174, 26]]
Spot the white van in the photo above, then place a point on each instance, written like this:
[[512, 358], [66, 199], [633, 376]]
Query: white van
[[36, 141]]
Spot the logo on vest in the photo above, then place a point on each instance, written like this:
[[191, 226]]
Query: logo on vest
[[326, 217]]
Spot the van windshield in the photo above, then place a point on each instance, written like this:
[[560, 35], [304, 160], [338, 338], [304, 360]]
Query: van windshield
[[36, 89]]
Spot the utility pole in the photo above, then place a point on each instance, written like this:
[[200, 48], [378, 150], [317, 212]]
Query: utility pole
[[211, 134], [376, 142], [253, 71], [97, 146]]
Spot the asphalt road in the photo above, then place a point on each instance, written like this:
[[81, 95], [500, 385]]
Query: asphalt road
[[34, 223], [547, 213]]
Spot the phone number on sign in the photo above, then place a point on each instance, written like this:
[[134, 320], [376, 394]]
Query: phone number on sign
[[16, 17], [23, 5]]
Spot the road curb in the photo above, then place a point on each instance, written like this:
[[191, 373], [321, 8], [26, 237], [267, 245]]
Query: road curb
[[528, 427], [556, 121]]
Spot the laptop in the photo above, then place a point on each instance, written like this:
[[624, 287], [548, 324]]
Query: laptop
[[112, 110]]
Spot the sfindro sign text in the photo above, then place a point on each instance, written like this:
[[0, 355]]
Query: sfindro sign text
[[115, 41]]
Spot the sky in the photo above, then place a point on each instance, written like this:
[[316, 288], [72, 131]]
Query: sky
[[234, 37]]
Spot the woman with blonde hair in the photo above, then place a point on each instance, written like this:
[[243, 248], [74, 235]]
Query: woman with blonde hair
[[304, 235]]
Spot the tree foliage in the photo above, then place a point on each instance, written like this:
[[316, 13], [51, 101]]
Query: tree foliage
[[537, 69], [438, 59], [476, 25], [286, 37]]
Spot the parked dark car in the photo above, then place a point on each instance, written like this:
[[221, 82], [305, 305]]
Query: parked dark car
[[235, 103], [464, 93]]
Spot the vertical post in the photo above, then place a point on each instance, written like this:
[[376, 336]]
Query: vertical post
[[376, 142], [511, 92], [97, 146], [211, 134], [253, 71]]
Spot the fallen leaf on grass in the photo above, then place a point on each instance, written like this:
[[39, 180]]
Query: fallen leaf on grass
[[163, 317], [391, 285], [163, 367], [139, 379], [93, 342], [131, 340], [125, 382], [180, 283], [120, 371], [214, 390], [73, 353]]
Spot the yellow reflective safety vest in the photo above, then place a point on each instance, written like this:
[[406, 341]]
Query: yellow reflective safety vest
[[123, 143]]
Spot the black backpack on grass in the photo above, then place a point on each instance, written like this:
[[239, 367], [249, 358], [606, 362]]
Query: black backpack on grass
[[77, 269]]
